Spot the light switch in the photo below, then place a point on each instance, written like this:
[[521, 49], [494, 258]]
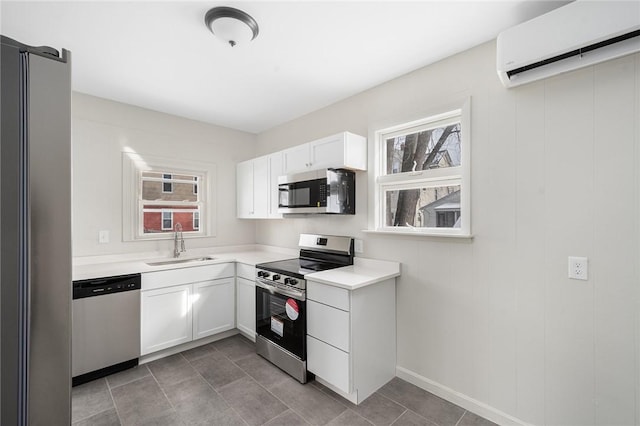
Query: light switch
[[358, 246]]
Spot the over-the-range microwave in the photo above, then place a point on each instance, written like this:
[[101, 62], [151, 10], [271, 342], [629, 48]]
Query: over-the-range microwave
[[331, 191]]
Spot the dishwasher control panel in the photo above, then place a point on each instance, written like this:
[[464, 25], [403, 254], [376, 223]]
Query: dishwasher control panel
[[108, 285]]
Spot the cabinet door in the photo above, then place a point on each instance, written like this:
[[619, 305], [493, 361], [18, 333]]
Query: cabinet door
[[213, 307], [329, 363], [261, 187], [246, 307], [327, 152], [166, 318], [328, 324], [275, 170], [244, 190], [296, 159]]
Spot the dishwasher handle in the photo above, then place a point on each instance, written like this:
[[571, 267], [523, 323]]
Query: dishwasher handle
[[109, 285]]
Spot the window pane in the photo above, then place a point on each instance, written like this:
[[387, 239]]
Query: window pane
[[196, 220], [157, 186], [429, 207], [162, 219], [423, 150]]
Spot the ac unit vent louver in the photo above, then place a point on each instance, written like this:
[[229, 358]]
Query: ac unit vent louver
[[577, 35]]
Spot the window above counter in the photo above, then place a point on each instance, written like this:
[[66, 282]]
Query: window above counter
[[160, 193]]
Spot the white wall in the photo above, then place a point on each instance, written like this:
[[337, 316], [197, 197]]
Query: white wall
[[102, 128], [494, 323]]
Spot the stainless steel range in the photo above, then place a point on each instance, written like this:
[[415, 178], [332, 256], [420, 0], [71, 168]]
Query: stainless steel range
[[281, 320]]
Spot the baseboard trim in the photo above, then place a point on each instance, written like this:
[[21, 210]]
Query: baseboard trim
[[464, 401]]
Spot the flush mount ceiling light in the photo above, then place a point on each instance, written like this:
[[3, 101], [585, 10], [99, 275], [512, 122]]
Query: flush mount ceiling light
[[231, 25]]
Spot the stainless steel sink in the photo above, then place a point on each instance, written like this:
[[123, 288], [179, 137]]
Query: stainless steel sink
[[178, 261]]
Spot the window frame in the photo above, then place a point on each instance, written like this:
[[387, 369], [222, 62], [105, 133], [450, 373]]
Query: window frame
[[134, 164], [382, 182], [167, 179], [195, 220], [162, 219]]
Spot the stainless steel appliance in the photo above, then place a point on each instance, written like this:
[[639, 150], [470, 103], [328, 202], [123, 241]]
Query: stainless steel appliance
[[281, 321], [318, 191], [106, 326], [36, 235]]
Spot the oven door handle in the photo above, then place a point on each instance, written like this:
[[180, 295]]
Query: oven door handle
[[279, 290]]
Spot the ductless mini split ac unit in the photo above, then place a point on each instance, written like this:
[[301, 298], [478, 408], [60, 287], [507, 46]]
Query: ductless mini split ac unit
[[576, 35]]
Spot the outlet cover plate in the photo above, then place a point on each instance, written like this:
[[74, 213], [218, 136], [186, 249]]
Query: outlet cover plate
[[578, 268]]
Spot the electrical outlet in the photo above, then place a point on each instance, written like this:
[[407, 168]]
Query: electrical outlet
[[358, 246], [103, 237], [578, 268]]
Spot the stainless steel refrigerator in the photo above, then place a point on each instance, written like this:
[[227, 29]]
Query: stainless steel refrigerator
[[35, 206]]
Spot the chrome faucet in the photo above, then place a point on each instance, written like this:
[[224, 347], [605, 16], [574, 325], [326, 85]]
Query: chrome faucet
[[178, 237]]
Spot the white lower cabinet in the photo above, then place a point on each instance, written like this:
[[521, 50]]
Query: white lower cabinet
[[351, 337], [246, 300], [213, 310], [181, 305], [166, 318]]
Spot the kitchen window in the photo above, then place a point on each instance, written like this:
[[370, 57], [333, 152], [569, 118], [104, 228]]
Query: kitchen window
[[422, 176], [159, 193]]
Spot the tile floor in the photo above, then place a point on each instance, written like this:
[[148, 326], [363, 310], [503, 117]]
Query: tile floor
[[226, 383]]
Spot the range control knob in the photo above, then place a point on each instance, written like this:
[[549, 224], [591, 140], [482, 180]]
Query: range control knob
[[287, 280], [263, 274], [276, 277], [293, 281]]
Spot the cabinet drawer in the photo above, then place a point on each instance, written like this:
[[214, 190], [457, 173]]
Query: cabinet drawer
[[328, 324], [329, 295], [194, 274], [329, 363], [248, 272]]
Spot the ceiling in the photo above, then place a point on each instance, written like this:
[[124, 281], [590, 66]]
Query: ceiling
[[309, 54]]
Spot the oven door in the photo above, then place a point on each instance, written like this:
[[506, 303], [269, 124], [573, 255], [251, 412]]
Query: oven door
[[281, 318], [306, 196]]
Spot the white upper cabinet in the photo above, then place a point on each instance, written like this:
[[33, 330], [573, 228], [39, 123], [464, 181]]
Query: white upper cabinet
[[244, 192], [257, 179], [343, 150], [261, 190], [275, 170], [257, 187], [296, 158]]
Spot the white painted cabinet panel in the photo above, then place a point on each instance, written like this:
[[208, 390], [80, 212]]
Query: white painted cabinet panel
[[166, 318], [172, 277], [213, 307], [330, 363], [328, 324], [296, 159], [246, 306], [342, 150], [351, 337], [261, 189], [275, 169], [181, 305], [257, 187], [329, 295], [244, 189], [248, 272]]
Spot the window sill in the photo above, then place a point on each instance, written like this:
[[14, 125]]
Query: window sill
[[420, 234]]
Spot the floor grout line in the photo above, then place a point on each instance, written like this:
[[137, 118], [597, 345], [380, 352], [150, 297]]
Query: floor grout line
[[235, 347]]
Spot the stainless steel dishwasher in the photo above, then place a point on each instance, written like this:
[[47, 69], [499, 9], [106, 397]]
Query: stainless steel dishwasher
[[106, 326]]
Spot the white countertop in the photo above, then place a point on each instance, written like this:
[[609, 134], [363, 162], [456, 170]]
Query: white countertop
[[362, 273], [108, 266]]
